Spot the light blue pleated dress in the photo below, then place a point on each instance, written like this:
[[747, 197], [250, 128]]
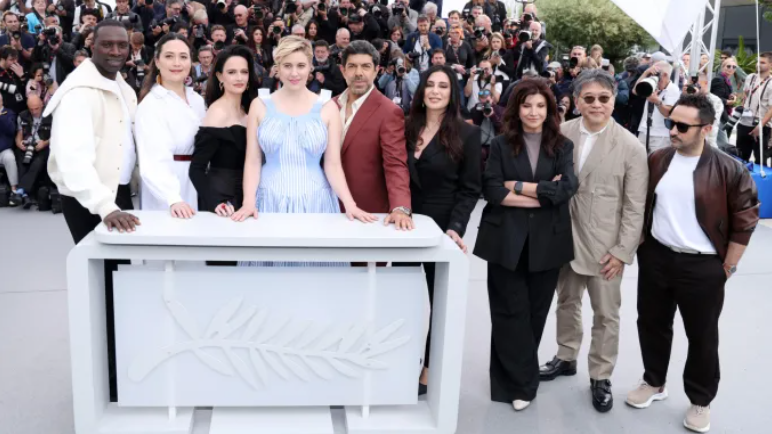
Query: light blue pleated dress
[[292, 179]]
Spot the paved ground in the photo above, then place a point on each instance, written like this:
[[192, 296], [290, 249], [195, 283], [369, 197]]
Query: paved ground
[[34, 356]]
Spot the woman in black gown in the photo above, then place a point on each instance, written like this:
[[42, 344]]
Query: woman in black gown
[[220, 146], [444, 155]]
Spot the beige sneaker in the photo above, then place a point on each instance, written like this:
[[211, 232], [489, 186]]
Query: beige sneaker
[[644, 395], [698, 419], [520, 405]]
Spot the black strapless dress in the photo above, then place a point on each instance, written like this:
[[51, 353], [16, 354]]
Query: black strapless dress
[[217, 169]]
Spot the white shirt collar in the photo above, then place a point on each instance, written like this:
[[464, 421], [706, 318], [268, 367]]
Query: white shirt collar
[[584, 130], [356, 104]]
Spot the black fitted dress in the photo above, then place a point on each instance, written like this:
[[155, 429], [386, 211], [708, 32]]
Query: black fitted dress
[[217, 169]]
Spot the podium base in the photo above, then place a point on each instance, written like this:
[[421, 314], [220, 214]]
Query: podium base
[[411, 419], [127, 420], [279, 420]]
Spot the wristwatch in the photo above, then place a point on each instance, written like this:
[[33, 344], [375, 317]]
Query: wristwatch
[[403, 209], [731, 269], [519, 188]]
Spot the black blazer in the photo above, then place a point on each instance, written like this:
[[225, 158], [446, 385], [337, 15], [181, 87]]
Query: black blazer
[[504, 230], [443, 189]]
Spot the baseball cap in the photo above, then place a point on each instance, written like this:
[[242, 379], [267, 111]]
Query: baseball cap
[[554, 65], [356, 18], [658, 57]]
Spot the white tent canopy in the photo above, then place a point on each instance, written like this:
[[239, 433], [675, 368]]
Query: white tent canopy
[[667, 21]]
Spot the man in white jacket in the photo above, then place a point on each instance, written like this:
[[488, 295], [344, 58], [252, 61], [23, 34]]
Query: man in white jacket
[[92, 144], [93, 154]]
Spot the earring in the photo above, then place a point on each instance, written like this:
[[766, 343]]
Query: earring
[[158, 79], [221, 87]]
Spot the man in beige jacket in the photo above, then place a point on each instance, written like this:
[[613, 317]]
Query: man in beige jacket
[[607, 219], [92, 144]]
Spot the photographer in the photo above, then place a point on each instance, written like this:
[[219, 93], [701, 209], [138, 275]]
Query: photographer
[[138, 63], [199, 30], [7, 154], [52, 51], [459, 53], [756, 119], [327, 74], [327, 19], [97, 8], [399, 82], [32, 140], [440, 29], [219, 38], [658, 106], [147, 10], [159, 28], [40, 85], [19, 40], [12, 80], [495, 10], [123, 14], [487, 115], [534, 50], [419, 44], [363, 26], [696, 85], [202, 70], [403, 17], [238, 31], [482, 78]]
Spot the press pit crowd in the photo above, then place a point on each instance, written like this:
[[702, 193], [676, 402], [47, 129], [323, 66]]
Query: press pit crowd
[[225, 107]]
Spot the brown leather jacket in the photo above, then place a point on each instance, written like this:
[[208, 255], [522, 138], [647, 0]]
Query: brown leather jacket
[[725, 197]]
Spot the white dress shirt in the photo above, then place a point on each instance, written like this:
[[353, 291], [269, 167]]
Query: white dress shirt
[[588, 142], [165, 126], [355, 106], [675, 217], [129, 149]]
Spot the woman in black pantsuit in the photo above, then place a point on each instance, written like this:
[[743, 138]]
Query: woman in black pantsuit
[[444, 160], [217, 167], [525, 235]]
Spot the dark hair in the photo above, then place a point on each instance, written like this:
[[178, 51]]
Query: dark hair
[[152, 75], [106, 23], [213, 91], [83, 36], [251, 38], [447, 135], [361, 47], [454, 12], [7, 51], [767, 55], [308, 27], [707, 114], [551, 138], [727, 53], [438, 51], [321, 43], [179, 26], [34, 68]]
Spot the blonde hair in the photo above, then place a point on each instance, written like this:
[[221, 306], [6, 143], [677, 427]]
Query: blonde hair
[[292, 44]]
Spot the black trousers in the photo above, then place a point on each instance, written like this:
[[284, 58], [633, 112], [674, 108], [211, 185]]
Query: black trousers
[[748, 144], [81, 222], [695, 285], [34, 174], [519, 302]]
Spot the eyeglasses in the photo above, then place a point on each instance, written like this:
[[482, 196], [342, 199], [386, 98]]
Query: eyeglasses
[[680, 126], [731, 66], [604, 99]]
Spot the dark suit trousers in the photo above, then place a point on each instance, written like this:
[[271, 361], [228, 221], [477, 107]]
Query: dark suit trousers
[[519, 301], [695, 285], [81, 222]]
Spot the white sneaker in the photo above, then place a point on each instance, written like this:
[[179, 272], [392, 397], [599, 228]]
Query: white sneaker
[[698, 419], [644, 395], [520, 405]]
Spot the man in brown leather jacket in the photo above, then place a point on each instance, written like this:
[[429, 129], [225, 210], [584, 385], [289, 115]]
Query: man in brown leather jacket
[[701, 210]]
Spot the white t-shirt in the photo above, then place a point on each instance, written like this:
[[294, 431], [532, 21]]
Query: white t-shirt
[[669, 96], [129, 148], [675, 217], [763, 91], [474, 97]]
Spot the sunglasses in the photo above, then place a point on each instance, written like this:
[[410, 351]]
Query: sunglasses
[[731, 66], [680, 126], [604, 99], [484, 92]]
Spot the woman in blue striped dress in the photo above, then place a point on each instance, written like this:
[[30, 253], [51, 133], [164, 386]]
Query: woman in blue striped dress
[[295, 128]]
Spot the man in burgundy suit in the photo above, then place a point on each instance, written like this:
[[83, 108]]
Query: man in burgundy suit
[[374, 154]]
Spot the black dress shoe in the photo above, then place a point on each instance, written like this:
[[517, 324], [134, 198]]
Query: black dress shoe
[[422, 388], [26, 202], [556, 368], [602, 399]]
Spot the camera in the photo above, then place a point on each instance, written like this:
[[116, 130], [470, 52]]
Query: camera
[[524, 36], [398, 9], [259, 14], [133, 19], [321, 68], [736, 115], [51, 36], [439, 31], [399, 65], [479, 32], [527, 18], [646, 87], [562, 109], [321, 7], [16, 35], [219, 45], [140, 66], [221, 5], [198, 31], [169, 21], [290, 7], [486, 108], [573, 62], [276, 30], [413, 55], [605, 64], [375, 10], [200, 79], [29, 152]]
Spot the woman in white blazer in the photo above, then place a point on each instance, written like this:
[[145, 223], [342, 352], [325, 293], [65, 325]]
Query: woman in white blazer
[[167, 119]]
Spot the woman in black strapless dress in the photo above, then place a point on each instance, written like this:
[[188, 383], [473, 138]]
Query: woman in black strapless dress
[[220, 145]]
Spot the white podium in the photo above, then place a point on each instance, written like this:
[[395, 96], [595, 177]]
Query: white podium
[[270, 349]]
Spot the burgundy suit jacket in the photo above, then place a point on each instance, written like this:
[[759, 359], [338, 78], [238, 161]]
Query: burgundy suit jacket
[[374, 156]]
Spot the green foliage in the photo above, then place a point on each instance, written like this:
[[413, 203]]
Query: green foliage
[[766, 7], [746, 60], [589, 22]]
